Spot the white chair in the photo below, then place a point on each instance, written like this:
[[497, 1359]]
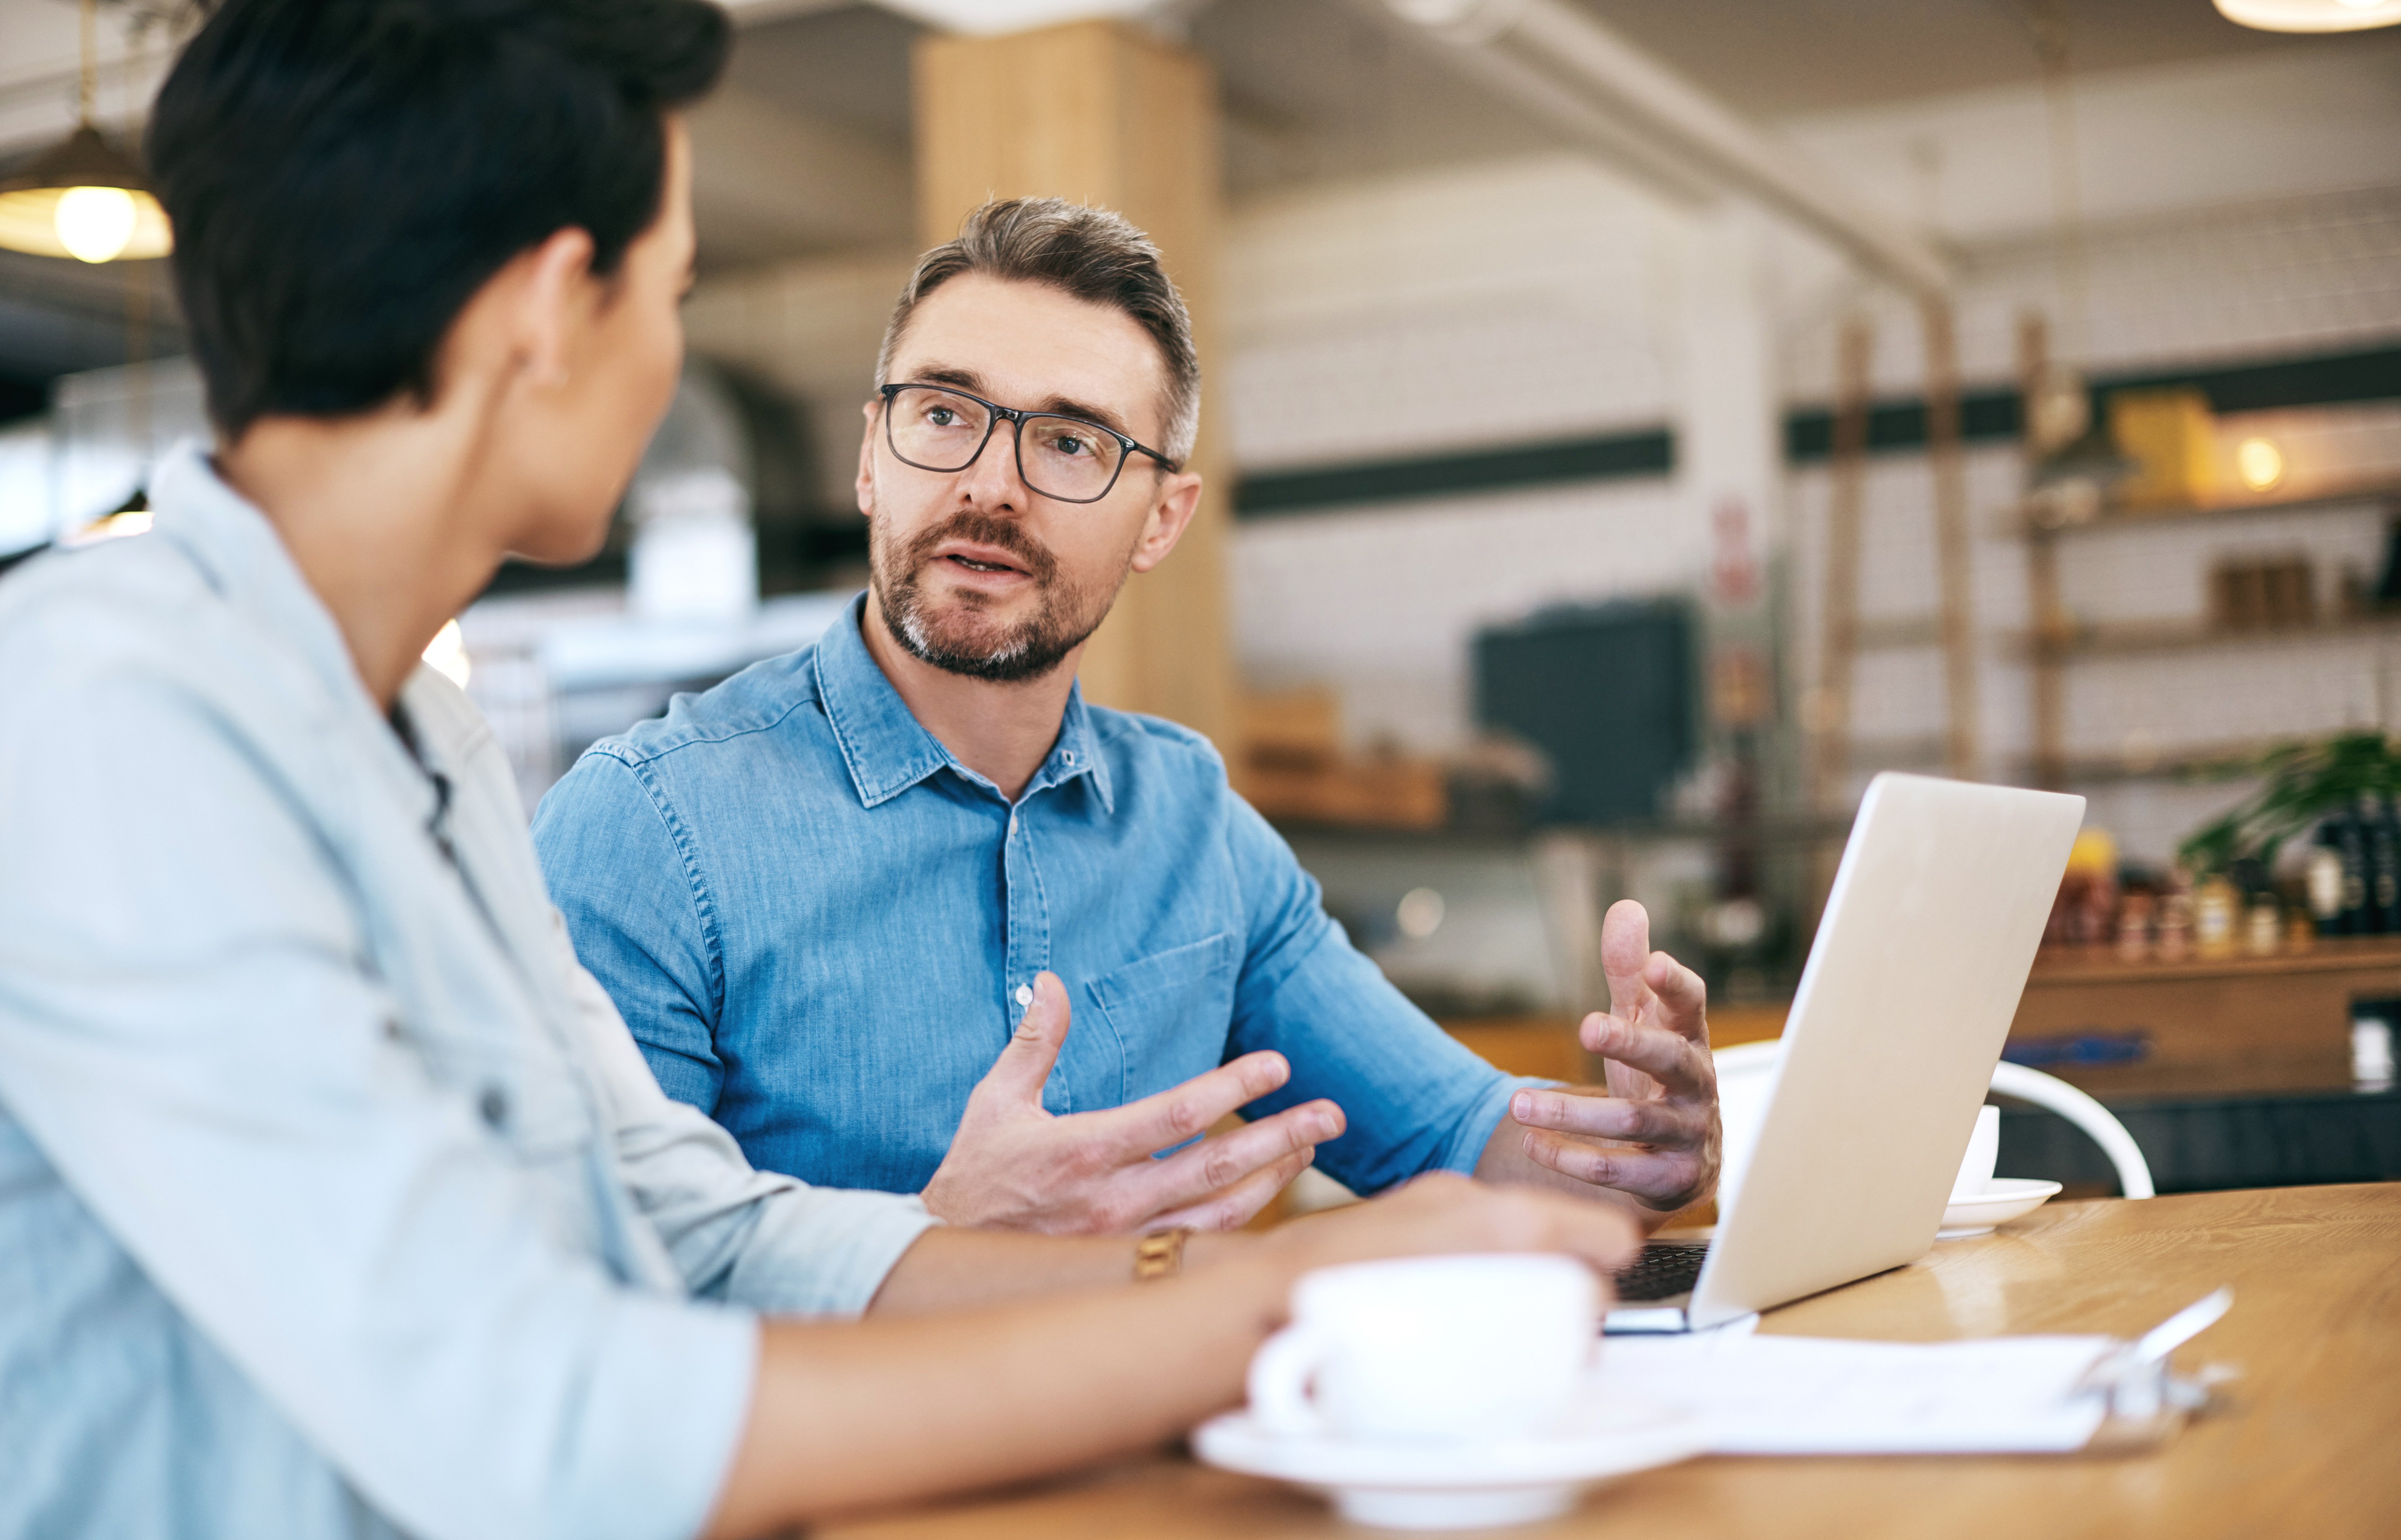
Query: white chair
[[2054, 1095], [1747, 1073]]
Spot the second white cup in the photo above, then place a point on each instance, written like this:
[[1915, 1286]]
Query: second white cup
[[1431, 1349]]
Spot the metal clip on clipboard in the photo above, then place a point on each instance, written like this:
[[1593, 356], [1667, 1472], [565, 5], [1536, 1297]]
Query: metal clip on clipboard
[[2146, 1400]]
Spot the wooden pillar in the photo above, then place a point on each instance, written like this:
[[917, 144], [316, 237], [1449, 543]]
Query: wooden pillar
[[1838, 653], [1960, 755], [1106, 113], [2048, 627]]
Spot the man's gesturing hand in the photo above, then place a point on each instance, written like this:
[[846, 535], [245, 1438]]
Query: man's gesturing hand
[[1012, 1166], [1652, 1132]]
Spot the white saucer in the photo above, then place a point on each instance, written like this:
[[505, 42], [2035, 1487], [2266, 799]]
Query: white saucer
[[1422, 1486], [2003, 1199]]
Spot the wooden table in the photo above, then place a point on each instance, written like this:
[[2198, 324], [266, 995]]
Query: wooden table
[[2310, 1445]]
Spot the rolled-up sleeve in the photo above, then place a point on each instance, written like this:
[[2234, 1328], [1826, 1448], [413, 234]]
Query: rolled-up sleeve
[[1416, 1100], [191, 1034]]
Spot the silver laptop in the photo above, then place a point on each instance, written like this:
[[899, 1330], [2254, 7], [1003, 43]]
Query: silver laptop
[[1927, 936]]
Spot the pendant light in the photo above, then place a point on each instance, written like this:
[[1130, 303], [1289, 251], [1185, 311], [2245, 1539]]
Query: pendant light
[[84, 200], [2075, 464], [2312, 15]]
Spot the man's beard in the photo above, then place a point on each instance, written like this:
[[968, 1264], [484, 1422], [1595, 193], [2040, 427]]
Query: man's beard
[[962, 641]]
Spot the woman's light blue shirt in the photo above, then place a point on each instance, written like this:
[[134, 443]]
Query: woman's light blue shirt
[[334, 1200], [816, 922]]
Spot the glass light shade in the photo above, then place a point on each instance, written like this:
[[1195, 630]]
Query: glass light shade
[[83, 200], [88, 223], [95, 223], [2312, 15]]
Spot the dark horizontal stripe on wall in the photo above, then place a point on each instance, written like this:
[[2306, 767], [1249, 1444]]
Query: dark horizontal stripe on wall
[[2322, 380], [1650, 452], [1984, 416], [1809, 433]]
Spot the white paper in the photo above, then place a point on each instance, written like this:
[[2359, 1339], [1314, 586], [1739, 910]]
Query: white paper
[[1823, 1396]]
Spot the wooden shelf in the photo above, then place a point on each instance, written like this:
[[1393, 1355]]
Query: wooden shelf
[[2172, 763], [2137, 637], [1900, 633], [1770, 829], [2020, 520], [1907, 753], [2329, 954]]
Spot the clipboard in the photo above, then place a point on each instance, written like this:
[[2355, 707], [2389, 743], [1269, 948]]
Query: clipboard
[[2031, 1394]]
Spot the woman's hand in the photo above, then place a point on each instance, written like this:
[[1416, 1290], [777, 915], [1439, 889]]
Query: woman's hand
[[1446, 1213]]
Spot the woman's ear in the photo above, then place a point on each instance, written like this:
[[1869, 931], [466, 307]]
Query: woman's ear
[[558, 297]]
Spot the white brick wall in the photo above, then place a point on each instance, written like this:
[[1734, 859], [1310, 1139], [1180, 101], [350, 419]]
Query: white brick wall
[[1467, 309], [1460, 308]]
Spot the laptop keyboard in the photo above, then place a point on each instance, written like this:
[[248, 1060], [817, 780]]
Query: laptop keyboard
[[1664, 1270]]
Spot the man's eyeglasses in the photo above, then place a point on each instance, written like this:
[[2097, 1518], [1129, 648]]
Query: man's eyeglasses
[[1069, 459]]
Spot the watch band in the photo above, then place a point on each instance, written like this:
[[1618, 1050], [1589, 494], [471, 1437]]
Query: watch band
[[1160, 1255]]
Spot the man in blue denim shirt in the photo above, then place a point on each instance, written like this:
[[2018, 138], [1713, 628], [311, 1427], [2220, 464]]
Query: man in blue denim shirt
[[835, 896]]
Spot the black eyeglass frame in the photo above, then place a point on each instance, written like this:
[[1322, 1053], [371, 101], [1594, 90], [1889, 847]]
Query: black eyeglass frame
[[1016, 420]]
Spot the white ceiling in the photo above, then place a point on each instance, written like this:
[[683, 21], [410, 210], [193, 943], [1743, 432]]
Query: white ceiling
[[808, 152]]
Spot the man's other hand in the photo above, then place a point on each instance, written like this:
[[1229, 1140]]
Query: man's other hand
[[1652, 1132], [1015, 1166]]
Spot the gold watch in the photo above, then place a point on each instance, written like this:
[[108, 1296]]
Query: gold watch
[[1160, 1255]]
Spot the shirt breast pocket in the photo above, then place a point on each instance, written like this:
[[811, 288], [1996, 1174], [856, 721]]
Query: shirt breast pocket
[[1171, 1012]]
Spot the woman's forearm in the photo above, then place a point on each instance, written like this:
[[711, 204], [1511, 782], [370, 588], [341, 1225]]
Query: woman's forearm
[[902, 1406], [959, 1269], [847, 1416]]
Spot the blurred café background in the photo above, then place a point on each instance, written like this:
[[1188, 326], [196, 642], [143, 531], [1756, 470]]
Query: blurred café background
[[1629, 426]]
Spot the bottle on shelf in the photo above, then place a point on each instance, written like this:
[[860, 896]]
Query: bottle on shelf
[[2135, 915], [2323, 877], [2263, 931], [2259, 918], [2174, 940], [2215, 903], [2350, 851], [2383, 842]]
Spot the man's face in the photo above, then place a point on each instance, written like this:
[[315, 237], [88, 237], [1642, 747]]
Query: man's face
[[626, 353], [974, 572]]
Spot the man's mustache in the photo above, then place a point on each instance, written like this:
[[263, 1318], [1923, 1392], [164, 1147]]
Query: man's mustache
[[984, 529]]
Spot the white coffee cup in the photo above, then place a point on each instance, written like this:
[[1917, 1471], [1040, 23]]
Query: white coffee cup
[[1983, 1152], [1430, 1349]]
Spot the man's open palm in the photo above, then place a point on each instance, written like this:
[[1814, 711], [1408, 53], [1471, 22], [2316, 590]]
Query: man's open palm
[[1014, 1166], [1652, 1132]]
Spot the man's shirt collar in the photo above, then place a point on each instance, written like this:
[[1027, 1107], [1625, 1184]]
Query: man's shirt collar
[[888, 751]]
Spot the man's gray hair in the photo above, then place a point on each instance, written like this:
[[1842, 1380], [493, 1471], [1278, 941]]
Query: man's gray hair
[[1092, 254]]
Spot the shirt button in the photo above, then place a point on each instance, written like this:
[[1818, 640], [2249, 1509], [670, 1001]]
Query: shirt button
[[1025, 994], [494, 1106]]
